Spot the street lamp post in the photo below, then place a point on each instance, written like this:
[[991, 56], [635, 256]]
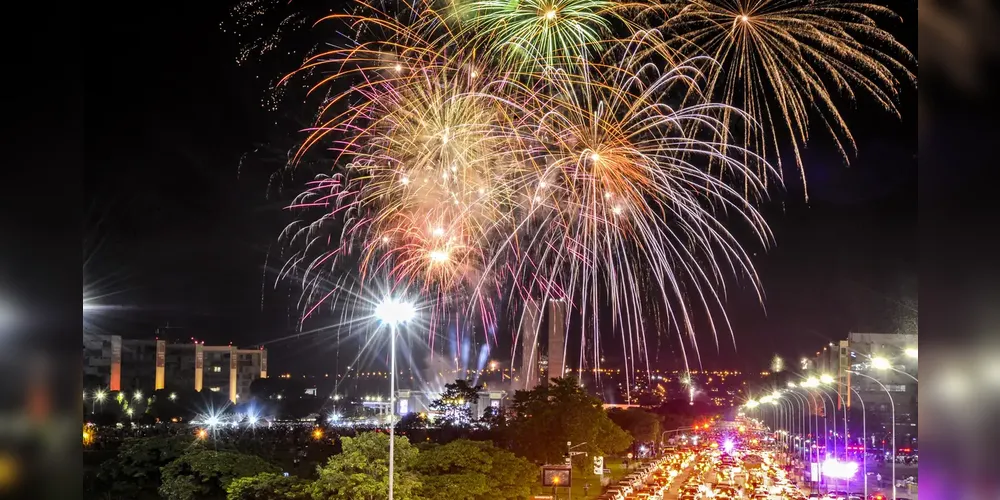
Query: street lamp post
[[864, 440], [892, 406], [393, 313]]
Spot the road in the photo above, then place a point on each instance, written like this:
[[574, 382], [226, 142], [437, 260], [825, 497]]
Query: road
[[675, 486]]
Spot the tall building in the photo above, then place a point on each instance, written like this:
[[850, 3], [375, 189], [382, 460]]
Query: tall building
[[557, 339], [846, 359], [530, 355], [109, 361]]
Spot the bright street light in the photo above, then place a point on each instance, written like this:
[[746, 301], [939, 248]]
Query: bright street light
[[880, 363], [752, 404], [100, 395], [137, 396], [393, 312], [911, 352], [826, 379]]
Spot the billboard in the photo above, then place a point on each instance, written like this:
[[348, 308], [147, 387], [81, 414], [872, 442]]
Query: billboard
[[557, 475]]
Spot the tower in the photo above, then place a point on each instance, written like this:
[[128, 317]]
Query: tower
[[199, 365], [161, 358], [557, 338], [233, 366], [530, 320]]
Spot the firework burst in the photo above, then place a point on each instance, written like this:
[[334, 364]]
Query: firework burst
[[786, 61], [469, 180]]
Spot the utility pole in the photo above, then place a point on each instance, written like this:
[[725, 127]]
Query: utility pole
[[569, 461]]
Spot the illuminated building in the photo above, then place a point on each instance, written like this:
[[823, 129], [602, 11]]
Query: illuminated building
[[115, 363], [855, 354]]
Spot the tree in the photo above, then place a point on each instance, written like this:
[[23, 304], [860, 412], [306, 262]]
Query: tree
[[642, 425], [547, 417], [135, 471], [361, 471], [473, 470], [269, 486], [206, 474], [455, 403]]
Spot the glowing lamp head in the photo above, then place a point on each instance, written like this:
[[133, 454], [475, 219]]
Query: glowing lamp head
[[752, 404], [826, 379], [911, 352], [100, 395], [137, 396], [792, 385], [775, 395], [393, 312], [880, 363]]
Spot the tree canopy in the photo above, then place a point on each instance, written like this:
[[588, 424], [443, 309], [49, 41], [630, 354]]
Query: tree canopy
[[361, 471], [205, 474], [269, 486], [642, 425], [473, 470], [547, 417], [455, 403], [135, 471]]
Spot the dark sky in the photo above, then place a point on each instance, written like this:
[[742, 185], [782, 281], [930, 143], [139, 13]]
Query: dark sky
[[179, 227]]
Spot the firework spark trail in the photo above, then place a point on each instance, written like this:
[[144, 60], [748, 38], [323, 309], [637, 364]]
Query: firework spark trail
[[575, 175], [785, 61]]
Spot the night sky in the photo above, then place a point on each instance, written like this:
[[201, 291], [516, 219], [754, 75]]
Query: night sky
[[183, 207]]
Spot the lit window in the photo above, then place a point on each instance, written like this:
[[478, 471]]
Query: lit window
[[216, 369]]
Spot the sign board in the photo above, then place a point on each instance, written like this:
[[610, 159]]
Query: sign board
[[599, 466], [557, 475]]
